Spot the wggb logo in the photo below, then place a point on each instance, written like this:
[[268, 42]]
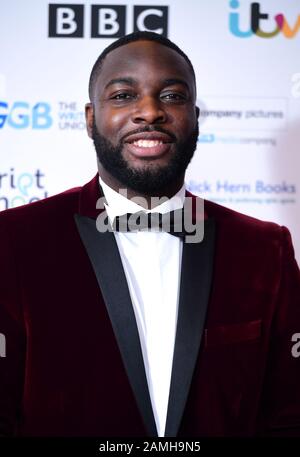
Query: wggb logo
[[20, 115], [281, 24], [106, 21]]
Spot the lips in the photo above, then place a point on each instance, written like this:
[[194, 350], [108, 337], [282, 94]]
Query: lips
[[149, 144], [151, 136]]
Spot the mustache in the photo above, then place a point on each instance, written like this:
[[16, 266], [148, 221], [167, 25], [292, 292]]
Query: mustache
[[147, 129]]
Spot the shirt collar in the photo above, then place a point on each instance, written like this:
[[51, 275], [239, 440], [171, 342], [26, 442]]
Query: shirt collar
[[118, 204]]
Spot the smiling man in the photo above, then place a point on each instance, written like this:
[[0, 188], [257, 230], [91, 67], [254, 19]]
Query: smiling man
[[138, 332], [143, 121], [143, 118]]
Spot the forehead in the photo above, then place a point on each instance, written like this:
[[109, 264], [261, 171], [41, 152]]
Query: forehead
[[142, 59]]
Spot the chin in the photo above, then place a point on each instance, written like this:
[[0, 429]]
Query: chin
[[149, 163]]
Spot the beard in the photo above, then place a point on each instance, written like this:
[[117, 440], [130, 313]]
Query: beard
[[153, 180]]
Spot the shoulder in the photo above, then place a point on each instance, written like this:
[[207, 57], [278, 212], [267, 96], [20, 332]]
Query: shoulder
[[32, 223], [243, 239], [240, 231], [235, 219], [59, 204]]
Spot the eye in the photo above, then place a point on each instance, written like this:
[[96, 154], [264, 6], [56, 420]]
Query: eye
[[122, 96], [173, 97]]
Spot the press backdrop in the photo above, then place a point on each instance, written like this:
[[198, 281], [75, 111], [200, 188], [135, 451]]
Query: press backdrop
[[246, 58]]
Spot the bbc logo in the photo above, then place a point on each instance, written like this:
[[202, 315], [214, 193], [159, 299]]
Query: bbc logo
[[106, 21]]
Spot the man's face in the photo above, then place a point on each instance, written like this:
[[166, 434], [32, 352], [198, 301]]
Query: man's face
[[143, 117]]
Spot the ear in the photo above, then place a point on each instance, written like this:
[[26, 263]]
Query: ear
[[89, 117], [197, 111]]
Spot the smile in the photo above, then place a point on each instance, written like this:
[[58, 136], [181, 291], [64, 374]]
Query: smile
[[148, 149], [147, 143]]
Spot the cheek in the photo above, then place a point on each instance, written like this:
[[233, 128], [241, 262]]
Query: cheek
[[184, 123], [183, 114], [111, 122]]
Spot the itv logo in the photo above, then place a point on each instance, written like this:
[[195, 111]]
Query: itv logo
[[257, 18]]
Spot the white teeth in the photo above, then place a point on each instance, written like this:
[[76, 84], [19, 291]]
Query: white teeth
[[147, 143]]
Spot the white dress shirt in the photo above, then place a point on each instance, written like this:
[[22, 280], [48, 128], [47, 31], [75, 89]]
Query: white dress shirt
[[152, 266]]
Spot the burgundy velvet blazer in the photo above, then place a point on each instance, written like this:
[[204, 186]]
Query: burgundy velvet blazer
[[73, 364]]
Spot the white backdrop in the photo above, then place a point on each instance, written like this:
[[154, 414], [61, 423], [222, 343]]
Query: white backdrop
[[248, 91]]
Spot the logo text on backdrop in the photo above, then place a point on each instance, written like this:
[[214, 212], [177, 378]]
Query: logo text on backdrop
[[20, 115], [256, 20], [106, 21]]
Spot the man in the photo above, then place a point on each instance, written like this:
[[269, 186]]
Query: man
[[141, 333]]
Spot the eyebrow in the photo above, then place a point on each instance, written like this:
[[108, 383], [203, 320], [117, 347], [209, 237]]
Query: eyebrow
[[131, 82], [173, 81]]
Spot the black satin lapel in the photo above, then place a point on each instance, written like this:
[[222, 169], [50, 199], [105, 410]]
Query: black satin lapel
[[196, 278], [104, 255]]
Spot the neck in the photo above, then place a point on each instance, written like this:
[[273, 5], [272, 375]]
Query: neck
[[146, 201]]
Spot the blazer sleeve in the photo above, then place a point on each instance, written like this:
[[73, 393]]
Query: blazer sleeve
[[12, 336], [280, 401]]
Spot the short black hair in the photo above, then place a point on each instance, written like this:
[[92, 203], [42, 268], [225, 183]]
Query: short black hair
[[136, 36]]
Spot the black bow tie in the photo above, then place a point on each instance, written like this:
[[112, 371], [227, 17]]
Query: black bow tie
[[172, 222]]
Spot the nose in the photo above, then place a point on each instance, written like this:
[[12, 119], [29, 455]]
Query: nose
[[149, 110]]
